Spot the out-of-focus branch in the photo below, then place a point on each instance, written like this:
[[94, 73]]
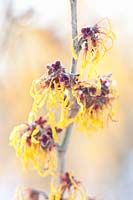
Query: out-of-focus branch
[[10, 20]]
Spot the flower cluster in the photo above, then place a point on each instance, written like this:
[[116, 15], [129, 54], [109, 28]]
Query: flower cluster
[[53, 92], [58, 77], [95, 99], [88, 104], [68, 188], [95, 42], [35, 145]]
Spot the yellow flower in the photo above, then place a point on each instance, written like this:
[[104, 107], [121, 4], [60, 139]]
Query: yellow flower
[[95, 99], [53, 94], [35, 146], [94, 42], [68, 188], [68, 100]]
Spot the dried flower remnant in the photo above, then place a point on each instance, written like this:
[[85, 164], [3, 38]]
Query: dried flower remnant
[[30, 194], [95, 42], [26, 194], [54, 93], [35, 146], [95, 99], [68, 188]]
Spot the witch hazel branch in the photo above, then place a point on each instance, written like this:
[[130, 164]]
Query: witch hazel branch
[[62, 100]]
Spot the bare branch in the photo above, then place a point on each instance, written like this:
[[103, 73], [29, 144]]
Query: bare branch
[[63, 148], [73, 4]]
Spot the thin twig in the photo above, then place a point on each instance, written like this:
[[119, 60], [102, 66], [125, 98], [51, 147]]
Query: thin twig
[[63, 148], [66, 138], [73, 4]]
